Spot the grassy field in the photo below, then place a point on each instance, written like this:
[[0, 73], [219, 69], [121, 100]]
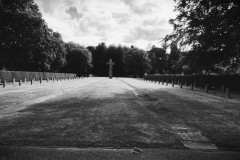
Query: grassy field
[[114, 114]]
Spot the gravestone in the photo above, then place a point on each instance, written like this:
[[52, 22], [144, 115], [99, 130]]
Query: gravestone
[[110, 63], [228, 92]]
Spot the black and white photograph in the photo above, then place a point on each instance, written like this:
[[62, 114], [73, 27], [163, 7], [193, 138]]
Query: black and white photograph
[[119, 80]]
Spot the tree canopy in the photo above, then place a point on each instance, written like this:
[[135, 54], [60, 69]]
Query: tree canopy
[[78, 59], [136, 61], [212, 29], [158, 58], [26, 42]]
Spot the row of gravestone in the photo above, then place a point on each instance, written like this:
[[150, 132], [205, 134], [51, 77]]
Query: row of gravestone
[[22, 77], [214, 81], [4, 83], [181, 83]]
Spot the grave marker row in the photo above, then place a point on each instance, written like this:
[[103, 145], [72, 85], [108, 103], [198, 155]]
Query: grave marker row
[[20, 82], [175, 81], [22, 77]]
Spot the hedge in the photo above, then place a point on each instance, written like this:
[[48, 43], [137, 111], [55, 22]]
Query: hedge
[[213, 81], [7, 76]]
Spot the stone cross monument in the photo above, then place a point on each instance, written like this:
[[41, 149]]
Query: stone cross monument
[[110, 63]]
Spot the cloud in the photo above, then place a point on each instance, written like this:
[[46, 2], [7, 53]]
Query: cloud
[[95, 23], [140, 33], [73, 12], [122, 18], [46, 5], [126, 22], [140, 8], [154, 22]]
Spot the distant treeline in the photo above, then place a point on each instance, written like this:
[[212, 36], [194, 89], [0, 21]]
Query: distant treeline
[[128, 60]]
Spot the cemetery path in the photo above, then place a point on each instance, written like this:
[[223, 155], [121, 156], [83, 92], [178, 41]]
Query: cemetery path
[[122, 113]]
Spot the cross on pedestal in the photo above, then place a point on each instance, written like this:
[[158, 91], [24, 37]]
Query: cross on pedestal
[[110, 63]]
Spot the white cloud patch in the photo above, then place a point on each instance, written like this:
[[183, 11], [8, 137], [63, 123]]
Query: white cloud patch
[[154, 22], [144, 34], [122, 18], [127, 22]]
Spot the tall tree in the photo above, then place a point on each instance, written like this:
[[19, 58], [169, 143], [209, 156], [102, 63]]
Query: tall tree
[[119, 67], [26, 42], [78, 59], [99, 60], [213, 27], [59, 52], [157, 57], [20, 29], [136, 61], [173, 62]]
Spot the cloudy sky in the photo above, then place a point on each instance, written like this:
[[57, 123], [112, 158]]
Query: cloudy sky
[[126, 22]]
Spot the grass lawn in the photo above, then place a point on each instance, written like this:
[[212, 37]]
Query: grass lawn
[[85, 123], [122, 120]]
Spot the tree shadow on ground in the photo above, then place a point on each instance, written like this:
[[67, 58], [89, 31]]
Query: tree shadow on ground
[[121, 121]]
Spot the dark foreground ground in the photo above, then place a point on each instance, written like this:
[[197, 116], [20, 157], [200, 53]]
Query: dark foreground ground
[[33, 153], [116, 114]]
